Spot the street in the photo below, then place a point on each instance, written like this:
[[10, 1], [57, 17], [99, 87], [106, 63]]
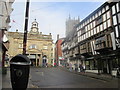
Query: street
[[58, 78]]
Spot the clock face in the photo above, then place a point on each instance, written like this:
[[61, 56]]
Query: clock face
[[34, 30]]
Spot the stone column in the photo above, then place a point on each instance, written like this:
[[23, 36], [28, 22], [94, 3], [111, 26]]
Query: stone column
[[39, 59], [36, 59]]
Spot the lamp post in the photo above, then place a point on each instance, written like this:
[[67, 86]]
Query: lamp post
[[26, 27]]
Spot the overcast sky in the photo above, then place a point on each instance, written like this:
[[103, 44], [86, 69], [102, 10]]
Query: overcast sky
[[51, 16]]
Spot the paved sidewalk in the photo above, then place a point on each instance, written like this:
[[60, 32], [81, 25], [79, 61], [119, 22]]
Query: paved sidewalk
[[6, 82], [104, 77]]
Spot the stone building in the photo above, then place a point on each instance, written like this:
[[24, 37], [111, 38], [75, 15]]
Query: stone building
[[5, 11], [39, 46]]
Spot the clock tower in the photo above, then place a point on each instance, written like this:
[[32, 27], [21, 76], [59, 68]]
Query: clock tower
[[34, 28]]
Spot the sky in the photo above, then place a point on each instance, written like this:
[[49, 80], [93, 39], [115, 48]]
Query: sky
[[51, 16]]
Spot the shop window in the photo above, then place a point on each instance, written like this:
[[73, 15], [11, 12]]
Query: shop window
[[114, 20]]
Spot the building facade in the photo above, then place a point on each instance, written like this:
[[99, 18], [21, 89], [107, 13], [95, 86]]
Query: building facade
[[70, 49], [39, 46], [98, 38], [98, 41], [58, 51], [5, 11]]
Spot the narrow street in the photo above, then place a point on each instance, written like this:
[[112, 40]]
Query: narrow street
[[58, 78]]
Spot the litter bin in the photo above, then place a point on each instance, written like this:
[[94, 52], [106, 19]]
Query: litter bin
[[19, 71]]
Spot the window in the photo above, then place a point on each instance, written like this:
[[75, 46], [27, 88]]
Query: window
[[113, 10], [33, 46], [96, 15], [94, 30], [91, 32], [116, 31], [93, 17], [84, 36], [104, 17], [117, 5], [109, 23], [20, 45], [94, 24], [108, 14], [114, 20], [99, 13], [101, 27], [105, 26], [86, 28], [45, 47], [119, 17], [97, 29], [83, 31], [99, 20], [107, 7], [91, 25], [87, 35], [103, 10]]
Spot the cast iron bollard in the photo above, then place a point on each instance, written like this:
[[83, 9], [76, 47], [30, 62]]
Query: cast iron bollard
[[19, 71]]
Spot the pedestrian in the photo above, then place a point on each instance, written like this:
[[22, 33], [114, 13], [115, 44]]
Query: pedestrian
[[76, 67], [54, 64], [84, 68], [70, 66], [118, 72], [81, 68]]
